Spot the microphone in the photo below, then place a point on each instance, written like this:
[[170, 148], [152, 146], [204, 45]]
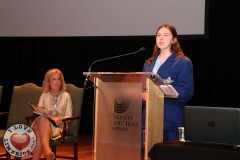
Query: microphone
[[156, 79], [142, 49]]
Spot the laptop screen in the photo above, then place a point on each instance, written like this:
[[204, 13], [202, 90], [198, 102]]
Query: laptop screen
[[215, 125]]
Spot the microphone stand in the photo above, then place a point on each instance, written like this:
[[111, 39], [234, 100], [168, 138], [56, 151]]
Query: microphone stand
[[104, 59]]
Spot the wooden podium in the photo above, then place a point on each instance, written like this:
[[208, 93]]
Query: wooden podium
[[118, 115]]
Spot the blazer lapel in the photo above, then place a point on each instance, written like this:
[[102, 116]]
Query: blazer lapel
[[168, 63]]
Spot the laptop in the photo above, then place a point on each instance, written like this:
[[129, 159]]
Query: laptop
[[213, 125]]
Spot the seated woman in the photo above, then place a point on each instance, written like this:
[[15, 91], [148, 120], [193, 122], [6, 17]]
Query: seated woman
[[58, 104]]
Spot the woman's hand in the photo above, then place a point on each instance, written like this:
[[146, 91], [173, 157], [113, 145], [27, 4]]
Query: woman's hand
[[57, 120], [144, 96]]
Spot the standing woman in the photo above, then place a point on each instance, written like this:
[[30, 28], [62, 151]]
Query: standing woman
[[169, 61], [58, 104]]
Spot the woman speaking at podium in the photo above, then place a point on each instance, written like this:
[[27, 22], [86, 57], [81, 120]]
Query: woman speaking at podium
[[171, 64]]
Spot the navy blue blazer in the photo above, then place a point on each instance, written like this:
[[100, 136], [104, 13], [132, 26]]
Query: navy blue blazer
[[180, 70]]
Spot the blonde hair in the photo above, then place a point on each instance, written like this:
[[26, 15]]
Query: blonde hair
[[48, 75]]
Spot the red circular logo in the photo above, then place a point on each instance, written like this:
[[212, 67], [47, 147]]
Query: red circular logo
[[19, 140]]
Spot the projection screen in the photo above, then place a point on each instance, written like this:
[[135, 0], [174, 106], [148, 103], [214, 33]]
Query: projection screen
[[55, 18]]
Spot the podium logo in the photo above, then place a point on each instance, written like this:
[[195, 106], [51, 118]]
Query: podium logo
[[19, 140], [121, 105]]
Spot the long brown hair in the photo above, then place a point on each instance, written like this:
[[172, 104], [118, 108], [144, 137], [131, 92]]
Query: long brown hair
[[175, 48]]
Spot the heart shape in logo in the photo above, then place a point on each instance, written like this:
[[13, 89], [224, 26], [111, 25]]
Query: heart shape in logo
[[20, 142]]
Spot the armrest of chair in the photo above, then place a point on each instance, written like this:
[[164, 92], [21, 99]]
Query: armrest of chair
[[4, 113], [29, 119], [65, 120]]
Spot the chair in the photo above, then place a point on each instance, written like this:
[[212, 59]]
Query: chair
[[72, 134], [1, 89], [1, 115], [19, 107], [30, 92]]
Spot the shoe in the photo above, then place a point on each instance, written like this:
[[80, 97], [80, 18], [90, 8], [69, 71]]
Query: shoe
[[50, 156]]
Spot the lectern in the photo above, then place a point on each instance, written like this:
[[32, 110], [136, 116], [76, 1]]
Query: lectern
[[118, 115]]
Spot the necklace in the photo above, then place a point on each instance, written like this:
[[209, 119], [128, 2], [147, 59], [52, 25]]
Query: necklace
[[54, 102]]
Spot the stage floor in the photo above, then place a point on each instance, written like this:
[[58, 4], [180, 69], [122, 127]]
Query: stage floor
[[84, 149]]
